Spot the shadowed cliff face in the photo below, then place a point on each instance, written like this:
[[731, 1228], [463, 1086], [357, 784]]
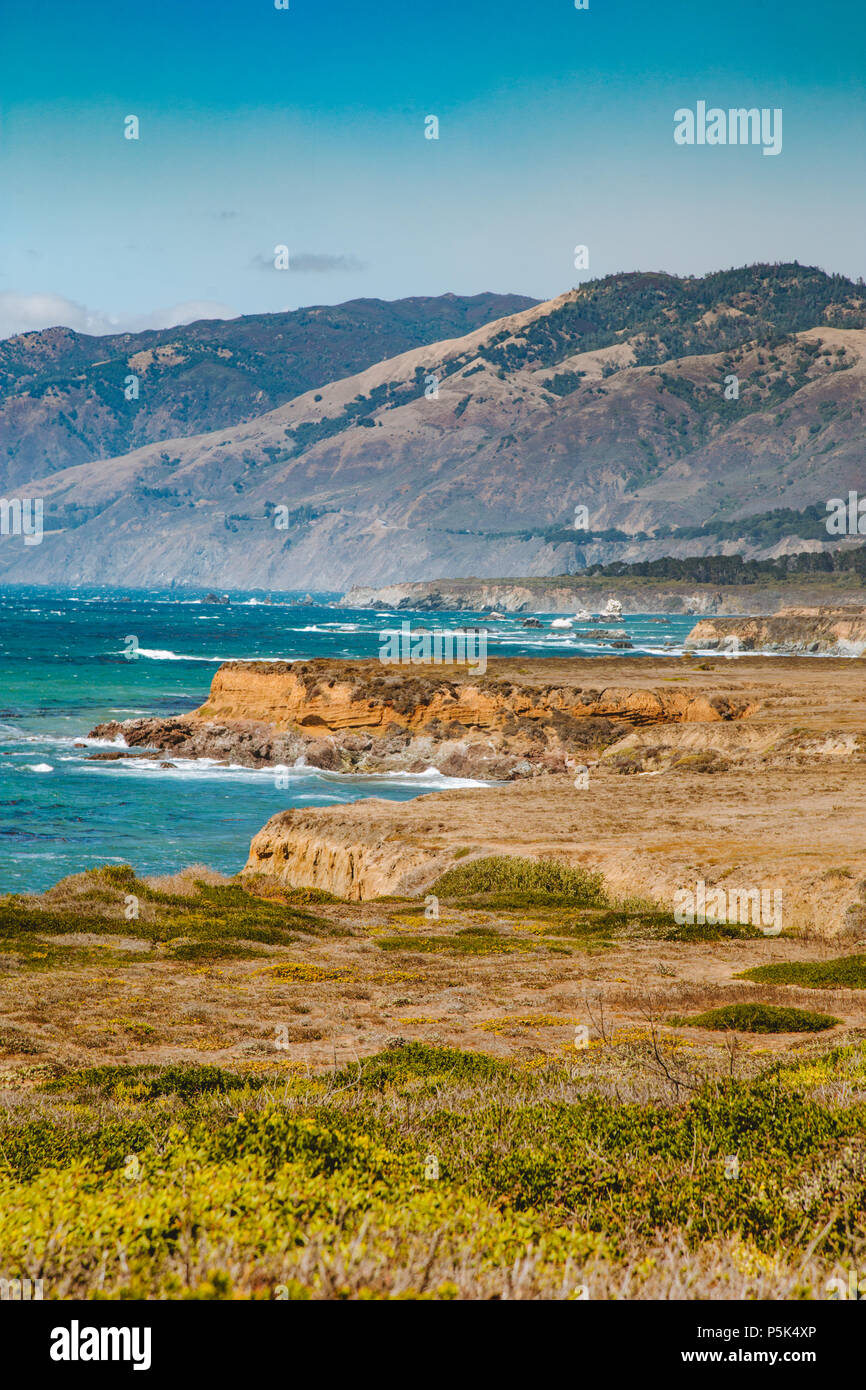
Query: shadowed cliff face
[[638, 595]]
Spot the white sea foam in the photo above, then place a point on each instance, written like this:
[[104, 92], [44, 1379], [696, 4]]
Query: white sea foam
[[165, 654], [10, 733], [431, 776], [118, 742], [210, 769]]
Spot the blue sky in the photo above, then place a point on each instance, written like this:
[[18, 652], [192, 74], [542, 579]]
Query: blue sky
[[305, 128]]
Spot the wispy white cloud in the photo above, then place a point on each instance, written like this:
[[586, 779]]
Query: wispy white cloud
[[311, 262], [28, 313], [322, 264]]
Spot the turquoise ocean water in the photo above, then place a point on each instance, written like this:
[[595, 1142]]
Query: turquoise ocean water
[[63, 670]]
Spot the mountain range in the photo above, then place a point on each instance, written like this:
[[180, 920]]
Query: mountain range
[[639, 415]]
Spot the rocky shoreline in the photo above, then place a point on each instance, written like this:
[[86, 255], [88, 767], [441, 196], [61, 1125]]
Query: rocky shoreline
[[749, 772], [565, 593], [358, 717], [522, 718]]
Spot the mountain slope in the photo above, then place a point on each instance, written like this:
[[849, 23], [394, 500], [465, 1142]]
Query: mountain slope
[[610, 397], [62, 394]]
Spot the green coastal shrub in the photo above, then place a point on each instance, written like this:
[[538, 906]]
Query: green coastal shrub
[[537, 881], [712, 931], [469, 942], [759, 1018], [193, 1182], [844, 972], [95, 902]]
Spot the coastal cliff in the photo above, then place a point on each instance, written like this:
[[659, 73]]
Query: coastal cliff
[[565, 593], [358, 716], [821, 630], [689, 792], [743, 773], [703, 828], [330, 696]]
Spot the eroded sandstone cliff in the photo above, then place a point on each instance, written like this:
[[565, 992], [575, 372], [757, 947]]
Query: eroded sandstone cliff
[[774, 800], [745, 827], [748, 773], [824, 630], [359, 716]]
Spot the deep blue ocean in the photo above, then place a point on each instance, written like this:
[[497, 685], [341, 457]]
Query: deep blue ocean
[[63, 670]]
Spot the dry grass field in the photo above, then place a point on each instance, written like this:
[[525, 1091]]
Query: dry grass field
[[227, 1089]]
